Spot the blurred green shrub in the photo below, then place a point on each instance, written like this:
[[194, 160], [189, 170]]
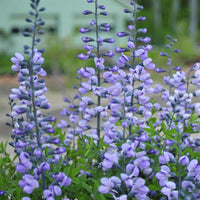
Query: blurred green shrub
[[5, 64]]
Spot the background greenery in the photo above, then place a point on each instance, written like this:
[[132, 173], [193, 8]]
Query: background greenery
[[61, 57]]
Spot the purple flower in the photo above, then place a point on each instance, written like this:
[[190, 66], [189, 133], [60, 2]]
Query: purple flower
[[123, 34], [16, 60], [166, 157], [28, 184], [109, 160], [26, 198], [63, 124], [86, 73], [25, 160], [106, 186], [169, 190], [142, 18], [84, 30], [87, 12], [99, 63], [193, 168], [109, 40], [184, 160], [2, 192], [145, 39], [83, 56], [44, 167], [139, 189], [122, 197], [163, 175]]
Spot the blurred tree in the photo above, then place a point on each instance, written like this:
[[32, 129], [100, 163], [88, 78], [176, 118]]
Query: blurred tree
[[175, 11], [193, 28]]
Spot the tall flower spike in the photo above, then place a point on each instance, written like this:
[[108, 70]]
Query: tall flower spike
[[32, 131], [93, 51]]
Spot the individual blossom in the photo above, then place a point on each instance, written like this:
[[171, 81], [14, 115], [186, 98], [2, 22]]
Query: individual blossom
[[139, 189], [109, 160], [28, 183], [169, 190]]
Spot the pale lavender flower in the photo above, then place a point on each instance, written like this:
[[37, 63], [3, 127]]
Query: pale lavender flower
[[28, 184], [169, 190], [109, 160]]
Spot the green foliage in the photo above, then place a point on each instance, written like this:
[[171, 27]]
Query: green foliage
[[5, 64]]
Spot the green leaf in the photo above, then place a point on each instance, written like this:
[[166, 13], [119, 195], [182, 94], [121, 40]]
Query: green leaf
[[163, 126], [87, 187], [75, 180]]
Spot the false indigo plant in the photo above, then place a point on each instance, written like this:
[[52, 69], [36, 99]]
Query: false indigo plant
[[115, 141], [33, 140]]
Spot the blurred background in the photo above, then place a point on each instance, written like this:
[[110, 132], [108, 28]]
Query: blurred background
[[62, 40]]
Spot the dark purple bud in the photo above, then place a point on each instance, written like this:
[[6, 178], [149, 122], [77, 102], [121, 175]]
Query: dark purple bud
[[107, 25], [177, 68], [2, 192], [87, 39], [103, 13], [44, 166], [93, 22], [45, 106], [109, 53], [145, 39], [100, 40], [90, 1], [123, 34], [83, 56], [60, 150], [104, 29], [32, 5], [31, 13], [142, 18], [169, 37], [152, 193], [19, 131], [121, 49], [109, 40], [26, 34], [177, 50], [41, 31], [87, 12], [21, 144], [88, 47], [127, 11], [37, 153], [170, 142], [132, 3], [163, 54], [84, 30], [152, 151], [42, 9], [41, 50], [142, 30], [102, 7], [131, 27], [55, 141], [140, 8], [167, 46], [160, 70], [28, 20]]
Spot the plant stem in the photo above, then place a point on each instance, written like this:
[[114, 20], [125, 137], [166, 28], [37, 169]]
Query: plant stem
[[133, 64], [31, 73], [98, 73]]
